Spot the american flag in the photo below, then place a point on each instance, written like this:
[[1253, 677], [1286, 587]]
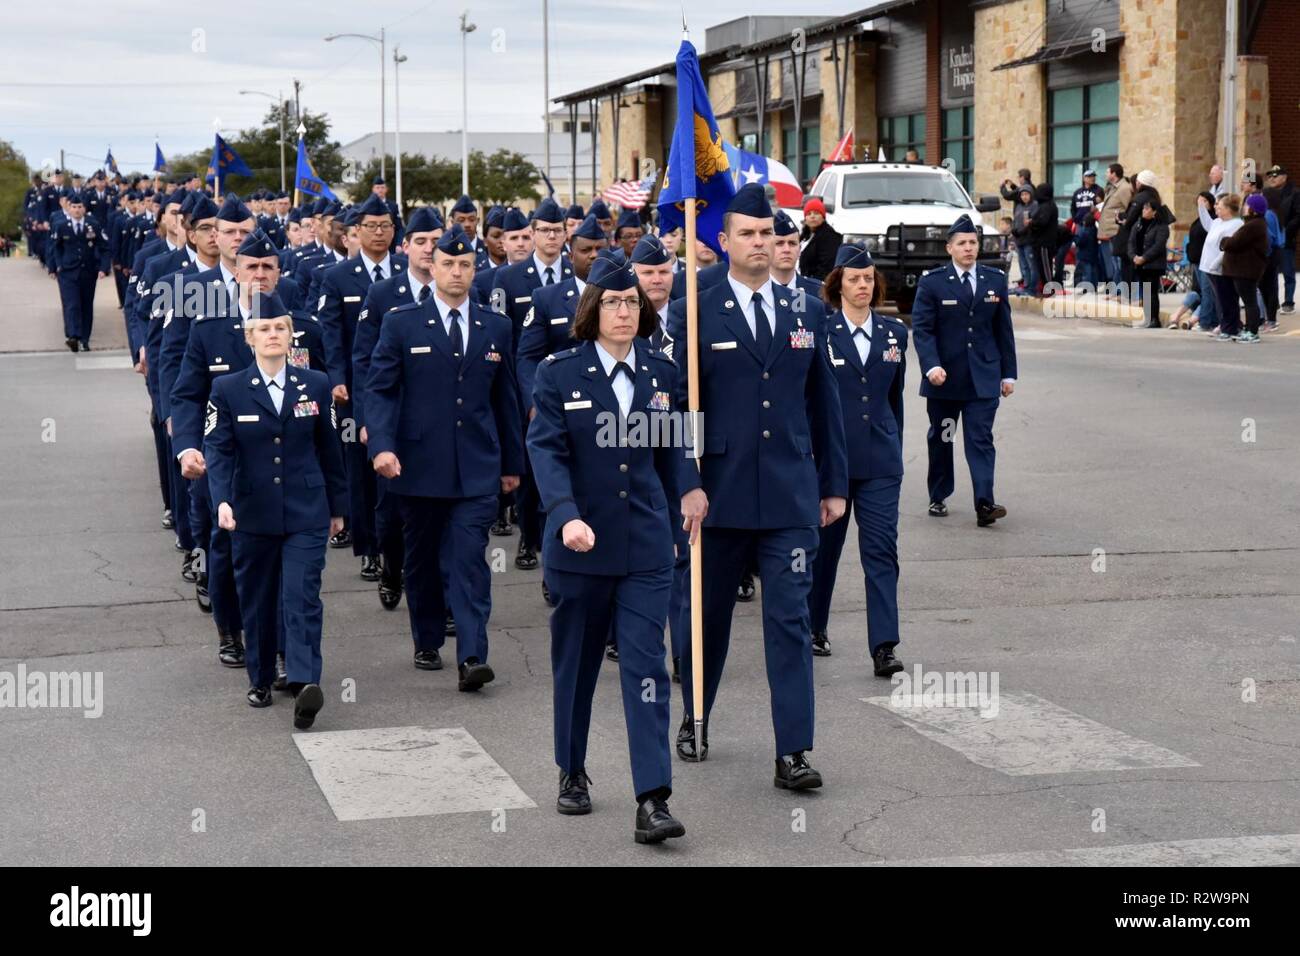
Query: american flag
[[630, 195]]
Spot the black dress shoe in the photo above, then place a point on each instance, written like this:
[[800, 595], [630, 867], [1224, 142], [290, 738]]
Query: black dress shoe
[[370, 569], [71, 344], [654, 823], [821, 644], [677, 677], [389, 596], [746, 590], [176, 543], [501, 529], [201, 594], [986, 513], [449, 625], [885, 661], [281, 681], [259, 697], [474, 675], [574, 800], [794, 772], [341, 540], [230, 649], [546, 596], [85, 346], [611, 652], [937, 509], [306, 705], [512, 514], [526, 559], [428, 661], [188, 572], [167, 521], [686, 739]]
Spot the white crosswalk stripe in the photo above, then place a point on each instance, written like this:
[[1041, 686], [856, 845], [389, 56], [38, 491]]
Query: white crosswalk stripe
[[1279, 850]]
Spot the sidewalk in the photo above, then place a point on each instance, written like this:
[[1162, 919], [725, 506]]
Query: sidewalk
[[32, 317]]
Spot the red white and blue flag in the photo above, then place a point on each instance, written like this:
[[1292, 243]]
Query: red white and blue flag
[[750, 167], [630, 195]]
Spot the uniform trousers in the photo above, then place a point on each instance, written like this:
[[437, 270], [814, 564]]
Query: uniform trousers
[[218, 561], [874, 502], [77, 291], [785, 561], [637, 605], [977, 437], [278, 576]]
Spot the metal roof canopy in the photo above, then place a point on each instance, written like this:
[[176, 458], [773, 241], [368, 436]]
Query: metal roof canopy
[[1061, 50]]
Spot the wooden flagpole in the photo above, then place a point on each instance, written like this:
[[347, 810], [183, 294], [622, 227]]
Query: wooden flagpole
[[697, 442]]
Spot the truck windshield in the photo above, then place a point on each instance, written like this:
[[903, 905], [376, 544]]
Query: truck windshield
[[875, 189]]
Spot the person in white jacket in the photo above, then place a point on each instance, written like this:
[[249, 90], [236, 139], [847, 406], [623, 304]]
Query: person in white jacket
[[1228, 209]]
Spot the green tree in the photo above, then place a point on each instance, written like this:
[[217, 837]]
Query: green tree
[[503, 178], [14, 180], [427, 181]]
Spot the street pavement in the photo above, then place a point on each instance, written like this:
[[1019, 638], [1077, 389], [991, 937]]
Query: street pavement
[[1137, 611]]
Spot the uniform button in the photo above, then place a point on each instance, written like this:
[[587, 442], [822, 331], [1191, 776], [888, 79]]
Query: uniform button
[[866, 418], [277, 461], [864, 380], [969, 329], [969, 345], [766, 376], [766, 433], [277, 440], [766, 403], [460, 378], [276, 479], [866, 398], [459, 423], [460, 401], [622, 494], [622, 467]]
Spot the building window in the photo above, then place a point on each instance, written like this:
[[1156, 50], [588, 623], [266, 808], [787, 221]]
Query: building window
[[898, 134], [959, 143], [584, 126], [749, 142], [1083, 124], [802, 156]]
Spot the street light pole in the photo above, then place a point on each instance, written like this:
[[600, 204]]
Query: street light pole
[[279, 101], [383, 81], [398, 59], [546, 87], [466, 29]]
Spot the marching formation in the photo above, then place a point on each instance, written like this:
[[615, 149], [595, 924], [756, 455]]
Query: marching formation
[[328, 376]]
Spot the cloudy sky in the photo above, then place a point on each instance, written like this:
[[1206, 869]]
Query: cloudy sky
[[88, 78]]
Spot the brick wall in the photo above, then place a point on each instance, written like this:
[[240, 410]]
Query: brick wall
[[1278, 38]]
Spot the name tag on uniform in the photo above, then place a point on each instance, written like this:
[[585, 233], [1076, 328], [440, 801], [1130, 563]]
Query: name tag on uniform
[[801, 339], [493, 356], [420, 349], [299, 357], [949, 302], [305, 409], [523, 298], [559, 321], [722, 346], [246, 418], [218, 368], [659, 402], [352, 298], [572, 406]]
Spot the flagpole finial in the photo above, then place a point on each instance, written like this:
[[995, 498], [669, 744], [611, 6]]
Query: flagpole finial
[[302, 129], [686, 33]]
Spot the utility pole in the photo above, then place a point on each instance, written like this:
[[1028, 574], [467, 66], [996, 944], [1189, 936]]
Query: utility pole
[[546, 85], [1230, 97]]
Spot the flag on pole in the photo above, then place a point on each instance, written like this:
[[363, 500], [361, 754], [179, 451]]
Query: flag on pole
[[843, 152], [110, 164], [550, 190], [159, 164], [881, 158], [305, 179], [697, 163], [630, 195], [226, 161], [751, 168]]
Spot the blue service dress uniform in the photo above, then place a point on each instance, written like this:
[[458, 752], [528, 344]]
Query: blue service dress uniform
[[452, 420], [627, 494], [281, 471], [79, 251], [546, 328], [969, 335], [773, 447], [871, 395]]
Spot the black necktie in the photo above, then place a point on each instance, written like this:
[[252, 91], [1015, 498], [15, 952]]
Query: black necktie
[[762, 331], [550, 275], [625, 369], [379, 274], [457, 343], [424, 294], [970, 286]]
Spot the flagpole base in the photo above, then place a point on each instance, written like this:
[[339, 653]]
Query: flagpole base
[[699, 740]]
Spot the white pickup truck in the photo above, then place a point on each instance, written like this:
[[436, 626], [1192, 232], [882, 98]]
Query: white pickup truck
[[901, 213]]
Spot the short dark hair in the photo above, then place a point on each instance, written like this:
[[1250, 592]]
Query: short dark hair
[[1117, 169], [586, 318], [1024, 174], [835, 279]]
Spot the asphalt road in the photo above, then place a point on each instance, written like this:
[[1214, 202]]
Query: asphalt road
[[1146, 712]]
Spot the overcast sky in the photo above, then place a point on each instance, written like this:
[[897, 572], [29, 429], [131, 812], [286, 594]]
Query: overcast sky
[[81, 75]]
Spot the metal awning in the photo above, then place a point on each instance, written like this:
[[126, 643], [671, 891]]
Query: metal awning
[[1062, 50]]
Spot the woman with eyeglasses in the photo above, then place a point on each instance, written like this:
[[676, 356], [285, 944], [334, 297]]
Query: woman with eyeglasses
[[611, 503]]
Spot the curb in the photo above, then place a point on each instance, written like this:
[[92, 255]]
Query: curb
[[1107, 312]]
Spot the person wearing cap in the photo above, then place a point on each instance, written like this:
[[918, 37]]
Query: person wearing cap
[[329, 248], [1085, 205], [513, 287], [492, 233], [628, 231], [1144, 192], [275, 471], [819, 241], [465, 214], [80, 255], [294, 237], [271, 223], [573, 217], [604, 218], [772, 468], [868, 353], [442, 413], [1246, 254], [378, 187], [1118, 192], [1148, 243], [414, 286], [1284, 200], [343, 289], [119, 221], [33, 210], [611, 510], [966, 350], [1267, 282], [709, 270], [785, 261], [516, 240]]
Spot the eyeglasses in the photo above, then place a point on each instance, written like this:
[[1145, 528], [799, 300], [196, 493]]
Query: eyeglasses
[[550, 232], [207, 228], [611, 304], [375, 226]]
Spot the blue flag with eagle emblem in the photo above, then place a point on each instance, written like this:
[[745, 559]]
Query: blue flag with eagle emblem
[[698, 170]]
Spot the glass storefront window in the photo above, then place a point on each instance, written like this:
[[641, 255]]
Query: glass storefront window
[[1083, 124]]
